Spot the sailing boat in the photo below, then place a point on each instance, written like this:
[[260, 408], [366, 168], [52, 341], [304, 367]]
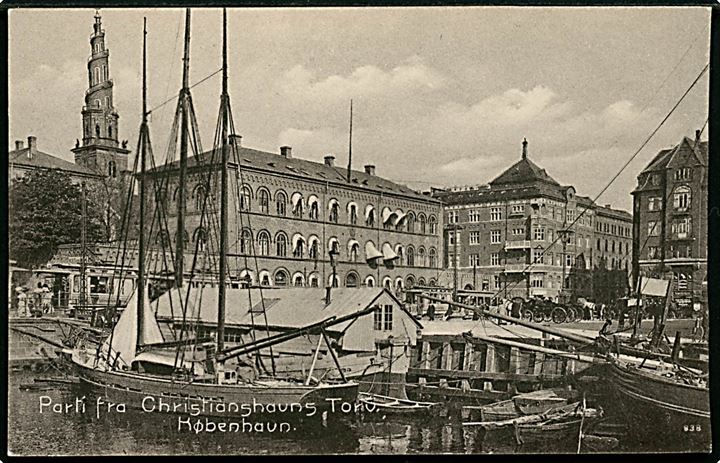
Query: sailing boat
[[136, 366]]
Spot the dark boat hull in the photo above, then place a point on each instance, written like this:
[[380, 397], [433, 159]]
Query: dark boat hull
[[161, 395], [662, 413]]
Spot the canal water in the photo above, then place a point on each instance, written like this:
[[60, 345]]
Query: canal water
[[77, 431]]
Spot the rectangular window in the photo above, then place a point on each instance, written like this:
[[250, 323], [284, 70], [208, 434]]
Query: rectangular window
[[496, 282], [654, 203], [495, 236], [388, 317], [474, 215], [539, 233], [570, 215], [518, 232], [452, 237], [538, 256], [537, 281], [551, 235], [495, 213], [495, 259], [474, 260], [653, 228], [474, 237], [518, 209], [378, 319], [569, 261], [453, 217], [653, 252], [684, 173]]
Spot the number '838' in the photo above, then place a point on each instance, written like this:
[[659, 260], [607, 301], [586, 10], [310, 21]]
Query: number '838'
[[692, 428]]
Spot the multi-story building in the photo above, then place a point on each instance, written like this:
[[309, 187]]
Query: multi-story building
[[291, 214], [670, 220], [524, 234], [613, 238]]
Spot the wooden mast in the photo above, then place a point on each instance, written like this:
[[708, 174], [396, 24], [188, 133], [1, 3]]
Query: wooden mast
[[184, 128], [223, 193], [144, 134], [349, 169]]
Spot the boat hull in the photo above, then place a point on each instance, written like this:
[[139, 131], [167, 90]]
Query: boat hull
[[662, 412], [156, 394]]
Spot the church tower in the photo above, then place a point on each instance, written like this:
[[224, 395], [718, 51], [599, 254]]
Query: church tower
[[100, 149]]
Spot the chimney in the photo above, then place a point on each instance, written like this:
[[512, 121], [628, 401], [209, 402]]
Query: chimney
[[328, 290], [370, 169], [697, 136], [524, 149], [32, 146], [330, 160], [236, 140], [18, 145], [286, 151]]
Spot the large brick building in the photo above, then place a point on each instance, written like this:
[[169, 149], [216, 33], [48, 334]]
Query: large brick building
[[520, 235], [670, 226], [290, 213]]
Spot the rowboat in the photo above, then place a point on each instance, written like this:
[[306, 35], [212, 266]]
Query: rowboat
[[386, 404]]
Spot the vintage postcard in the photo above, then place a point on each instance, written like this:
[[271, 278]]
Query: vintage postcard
[[394, 230]]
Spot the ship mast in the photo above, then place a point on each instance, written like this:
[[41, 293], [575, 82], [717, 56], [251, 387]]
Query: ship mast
[[144, 140], [224, 111], [184, 132]]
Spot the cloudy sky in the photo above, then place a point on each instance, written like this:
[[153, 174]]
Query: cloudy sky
[[442, 96]]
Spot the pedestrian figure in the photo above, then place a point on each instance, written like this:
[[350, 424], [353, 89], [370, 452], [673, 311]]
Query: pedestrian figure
[[431, 312]]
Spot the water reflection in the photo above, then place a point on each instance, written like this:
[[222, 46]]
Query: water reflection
[[135, 432]]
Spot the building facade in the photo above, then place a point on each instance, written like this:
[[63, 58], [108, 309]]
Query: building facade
[[523, 234], [292, 219], [670, 226], [100, 149]]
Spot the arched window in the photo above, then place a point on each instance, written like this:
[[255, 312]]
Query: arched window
[[313, 249], [313, 280], [245, 198], [264, 278], [421, 281], [264, 243], [104, 72], [352, 214], [111, 169], [281, 203], [264, 200], [281, 244], [97, 126], [387, 283], [314, 210], [410, 223], [410, 256], [370, 216], [298, 279], [351, 280], [421, 257], [432, 258], [299, 247], [97, 76], [281, 278], [200, 238], [421, 223], [334, 211], [246, 242], [400, 253], [433, 225], [110, 131], [199, 195], [682, 198], [354, 251], [370, 281]]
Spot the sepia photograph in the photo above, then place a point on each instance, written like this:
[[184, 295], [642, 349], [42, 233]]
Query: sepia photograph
[[352, 230]]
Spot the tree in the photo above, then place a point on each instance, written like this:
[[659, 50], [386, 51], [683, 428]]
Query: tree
[[46, 211]]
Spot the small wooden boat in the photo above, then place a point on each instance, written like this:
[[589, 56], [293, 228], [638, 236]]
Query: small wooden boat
[[530, 403], [387, 404]]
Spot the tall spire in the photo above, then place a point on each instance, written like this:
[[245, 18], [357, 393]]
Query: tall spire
[[100, 148], [524, 148]]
